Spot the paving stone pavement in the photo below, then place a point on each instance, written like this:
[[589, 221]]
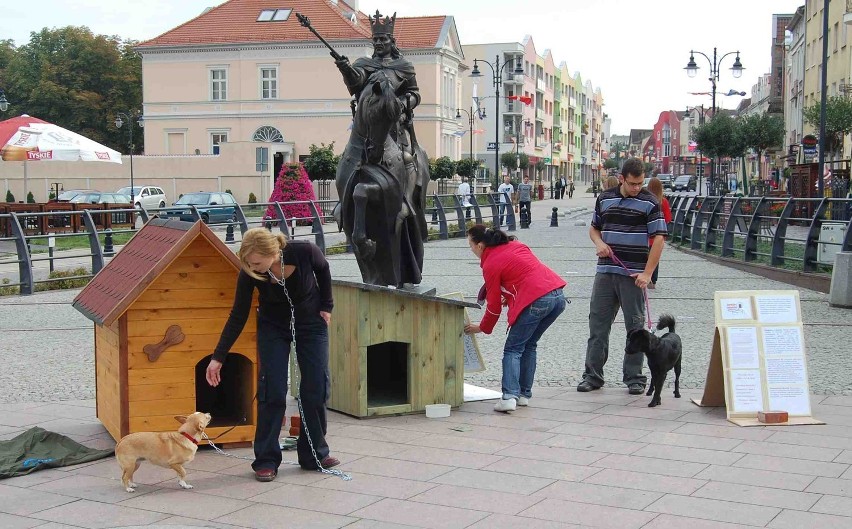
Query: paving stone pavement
[[570, 459]]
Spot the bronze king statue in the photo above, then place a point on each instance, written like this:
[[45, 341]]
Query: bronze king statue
[[383, 173]]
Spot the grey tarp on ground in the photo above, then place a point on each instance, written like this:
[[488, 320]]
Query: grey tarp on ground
[[37, 448]]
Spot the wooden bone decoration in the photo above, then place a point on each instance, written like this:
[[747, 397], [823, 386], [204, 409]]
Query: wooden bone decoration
[[174, 335]]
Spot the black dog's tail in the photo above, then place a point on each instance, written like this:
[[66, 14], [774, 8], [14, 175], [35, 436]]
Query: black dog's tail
[[666, 320]]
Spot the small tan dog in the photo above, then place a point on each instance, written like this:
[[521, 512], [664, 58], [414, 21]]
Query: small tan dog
[[164, 449]]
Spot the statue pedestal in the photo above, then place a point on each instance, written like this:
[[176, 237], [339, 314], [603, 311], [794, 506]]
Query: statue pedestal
[[394, 351]]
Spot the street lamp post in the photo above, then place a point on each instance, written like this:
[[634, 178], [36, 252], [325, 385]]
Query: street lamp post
[[497, 81], [130, 117], [471, 117], [4, 103], [700, 170], [692, 70], [525, 123]]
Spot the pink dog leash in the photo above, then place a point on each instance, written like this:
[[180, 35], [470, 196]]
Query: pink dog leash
[[620, 263]]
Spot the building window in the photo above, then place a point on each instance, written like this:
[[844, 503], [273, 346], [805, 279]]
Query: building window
[[273, 15], [269, 82], [218, 84], [261, 159], [216, 139], [267, 134]]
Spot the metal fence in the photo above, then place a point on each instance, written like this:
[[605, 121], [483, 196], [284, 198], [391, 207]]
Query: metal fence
[[800, 234], [60, 233]]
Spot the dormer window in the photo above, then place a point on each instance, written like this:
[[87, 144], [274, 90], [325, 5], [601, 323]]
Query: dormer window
[[274, 15]]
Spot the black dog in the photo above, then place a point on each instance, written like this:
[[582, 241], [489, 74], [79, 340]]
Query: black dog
[[663, 354]]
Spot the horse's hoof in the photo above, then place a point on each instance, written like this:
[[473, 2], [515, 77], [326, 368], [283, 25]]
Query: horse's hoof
[[366, 249]]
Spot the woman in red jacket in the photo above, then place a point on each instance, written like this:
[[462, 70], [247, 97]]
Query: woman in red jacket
[[532, 291], [655, 186]]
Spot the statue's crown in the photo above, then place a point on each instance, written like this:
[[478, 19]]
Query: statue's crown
[[382, 26]]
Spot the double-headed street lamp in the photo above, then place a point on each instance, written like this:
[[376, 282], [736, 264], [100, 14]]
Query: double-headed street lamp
[[471, 118], [497, 81], [692, 69], [132, 117]]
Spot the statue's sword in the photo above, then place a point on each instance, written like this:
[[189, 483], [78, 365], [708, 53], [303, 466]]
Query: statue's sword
[[305, 21]]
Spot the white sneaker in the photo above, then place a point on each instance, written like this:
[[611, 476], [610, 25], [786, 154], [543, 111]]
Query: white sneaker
[[523, 401], [505, 405]]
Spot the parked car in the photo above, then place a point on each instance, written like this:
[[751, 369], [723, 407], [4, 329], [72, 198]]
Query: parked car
[[66, 196], [146, 196], [685, 183], [666, 179], [100, 198], [212, 206]]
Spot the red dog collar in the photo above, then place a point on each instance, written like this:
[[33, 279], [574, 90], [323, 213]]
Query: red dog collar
[[191, 438]]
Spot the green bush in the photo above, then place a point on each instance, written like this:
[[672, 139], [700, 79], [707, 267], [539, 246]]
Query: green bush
[[229, 192], [252, 199], [30, 198], [9, 196], [61, 282]]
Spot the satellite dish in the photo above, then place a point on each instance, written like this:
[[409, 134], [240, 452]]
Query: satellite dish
[[788, 37]]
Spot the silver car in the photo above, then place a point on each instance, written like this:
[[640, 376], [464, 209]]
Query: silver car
[[146, 196]]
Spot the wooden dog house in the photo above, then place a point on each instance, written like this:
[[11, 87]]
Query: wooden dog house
[[159, 307], [394, 351]]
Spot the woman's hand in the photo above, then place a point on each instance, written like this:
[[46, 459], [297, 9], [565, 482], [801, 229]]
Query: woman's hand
[[326, 316], [472, 328], [213, 369]]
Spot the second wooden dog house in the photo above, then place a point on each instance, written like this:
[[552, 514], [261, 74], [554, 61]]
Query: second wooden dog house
[[159, 307]]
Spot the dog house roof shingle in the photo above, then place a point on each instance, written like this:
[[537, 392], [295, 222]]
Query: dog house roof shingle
[[139, 263]]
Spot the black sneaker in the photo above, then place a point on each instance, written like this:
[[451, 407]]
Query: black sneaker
[[635, 388]]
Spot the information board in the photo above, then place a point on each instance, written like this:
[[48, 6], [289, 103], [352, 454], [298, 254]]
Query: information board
[[473, 362], [758, 361]]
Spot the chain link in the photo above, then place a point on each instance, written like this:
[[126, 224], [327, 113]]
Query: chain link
[[281, 282]]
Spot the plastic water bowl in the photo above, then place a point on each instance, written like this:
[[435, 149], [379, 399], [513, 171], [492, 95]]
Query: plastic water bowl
[[437, 411]]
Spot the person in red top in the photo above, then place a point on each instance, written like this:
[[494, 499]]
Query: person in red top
[[655, 186], [533, 293]]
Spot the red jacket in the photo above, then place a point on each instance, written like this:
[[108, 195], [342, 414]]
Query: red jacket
[[513, 273]]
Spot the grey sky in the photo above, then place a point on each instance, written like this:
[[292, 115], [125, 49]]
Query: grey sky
[[633, 50]]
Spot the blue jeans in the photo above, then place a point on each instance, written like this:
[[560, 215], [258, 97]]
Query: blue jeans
[[273, 347], [503, 213], [519, 352]]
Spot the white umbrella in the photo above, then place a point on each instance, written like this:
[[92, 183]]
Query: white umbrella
[[28, 139]]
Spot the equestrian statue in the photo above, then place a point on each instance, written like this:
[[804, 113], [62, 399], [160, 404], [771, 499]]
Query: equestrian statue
[[383, 173]]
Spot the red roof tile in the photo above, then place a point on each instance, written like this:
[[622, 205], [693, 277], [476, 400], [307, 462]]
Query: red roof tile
[[138, 264], [235, 22]]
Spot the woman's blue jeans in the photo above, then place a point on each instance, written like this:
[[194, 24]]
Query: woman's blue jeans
[[519, 352]]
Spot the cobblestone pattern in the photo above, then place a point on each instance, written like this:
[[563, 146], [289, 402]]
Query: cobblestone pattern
[[47, 348]]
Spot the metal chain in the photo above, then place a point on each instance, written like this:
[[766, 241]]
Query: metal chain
[[281, 282]]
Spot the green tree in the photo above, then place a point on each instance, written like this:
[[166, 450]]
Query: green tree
[[9, 196], [76, 79], [509, 161], [759, 132], [30, 198], [610, 164], [444, 168], [838, 120], [540, 166], [321, 163], [466, 167], [649, 168], [523, 161]]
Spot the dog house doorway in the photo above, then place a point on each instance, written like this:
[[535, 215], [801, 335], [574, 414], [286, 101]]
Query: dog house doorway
[[230, 403], [387, 374]]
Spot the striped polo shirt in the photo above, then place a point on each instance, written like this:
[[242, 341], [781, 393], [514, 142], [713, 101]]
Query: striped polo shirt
[[625, 224]]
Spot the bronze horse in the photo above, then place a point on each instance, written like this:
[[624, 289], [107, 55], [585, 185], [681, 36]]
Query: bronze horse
[[382, 201]]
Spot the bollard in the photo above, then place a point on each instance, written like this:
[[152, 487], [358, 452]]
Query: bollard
[[554, 218], [525, 218], [840, 292], [108, 247], [229, 233]]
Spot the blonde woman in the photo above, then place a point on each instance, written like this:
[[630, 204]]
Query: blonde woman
[[292, 279]]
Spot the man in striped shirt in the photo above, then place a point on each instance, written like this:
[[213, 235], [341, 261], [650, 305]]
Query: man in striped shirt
[[625, 218]]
